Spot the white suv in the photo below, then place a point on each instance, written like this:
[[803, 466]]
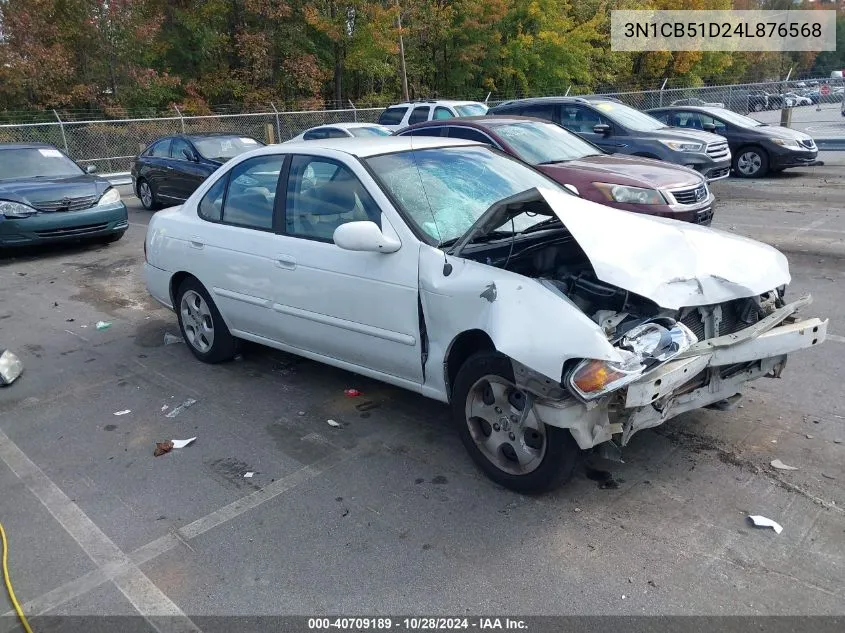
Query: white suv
[[402, 115]]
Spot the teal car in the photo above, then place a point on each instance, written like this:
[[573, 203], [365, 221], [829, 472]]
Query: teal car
[[45, 197]]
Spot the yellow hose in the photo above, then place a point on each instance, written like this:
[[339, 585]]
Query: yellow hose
[[8, 580]]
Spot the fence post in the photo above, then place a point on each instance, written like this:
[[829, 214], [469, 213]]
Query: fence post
[[62, 128], [354, 111], [278, 124], [181, 118], [662, 88], [567, 90]]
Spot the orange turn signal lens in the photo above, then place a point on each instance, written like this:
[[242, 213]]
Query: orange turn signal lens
[[594, 376]]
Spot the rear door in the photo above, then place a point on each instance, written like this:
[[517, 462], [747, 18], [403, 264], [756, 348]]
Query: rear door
[[237, 245], [419, 114]]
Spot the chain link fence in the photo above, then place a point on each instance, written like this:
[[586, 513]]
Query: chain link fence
[[111, 144]]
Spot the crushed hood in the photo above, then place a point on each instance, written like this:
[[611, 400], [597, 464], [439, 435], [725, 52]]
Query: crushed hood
[[675, 264]]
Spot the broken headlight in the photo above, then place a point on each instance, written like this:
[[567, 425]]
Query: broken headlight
[[642, 348]]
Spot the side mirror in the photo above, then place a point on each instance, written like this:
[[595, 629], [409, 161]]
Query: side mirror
[[189, 155], [709, 127], [364, 236], [573, 189], [90, 169], [601, 128]]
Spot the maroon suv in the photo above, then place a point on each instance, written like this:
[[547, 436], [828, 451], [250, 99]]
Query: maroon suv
[[626, 182]]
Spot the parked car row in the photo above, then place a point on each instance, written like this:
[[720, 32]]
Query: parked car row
[[657, 162]]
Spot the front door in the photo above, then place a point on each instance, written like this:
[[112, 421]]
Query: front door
[[186, 175], [359, 307]]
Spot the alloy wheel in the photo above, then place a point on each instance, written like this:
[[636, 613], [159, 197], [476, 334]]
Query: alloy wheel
[[197, 321], [509, 436], [146, 194]]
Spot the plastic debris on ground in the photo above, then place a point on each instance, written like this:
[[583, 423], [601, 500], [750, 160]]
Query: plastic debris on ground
[[249, 475], [170, 339], [164, 407], [351, 393], [182, 443], [124, 412], [102, 325], [776, 463], [10, 368], [177, 410], [334, 424], [763, 522]]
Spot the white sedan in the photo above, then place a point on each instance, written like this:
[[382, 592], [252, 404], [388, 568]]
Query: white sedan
[[549, 323], [341, 130]]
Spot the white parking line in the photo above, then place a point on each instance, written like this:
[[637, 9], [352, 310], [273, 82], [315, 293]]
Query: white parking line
[[836, 338], [141, 592]]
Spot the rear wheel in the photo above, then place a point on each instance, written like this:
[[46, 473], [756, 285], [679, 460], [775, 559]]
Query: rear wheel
[[147, 195], [501, 431], [202, 327], [751, 162]]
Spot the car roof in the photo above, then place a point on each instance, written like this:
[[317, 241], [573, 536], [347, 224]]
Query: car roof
[[366, 147], [540, 100], [484, 122], [345, 125], [26, 146], [211, 135], [687, 108], [450, 102]]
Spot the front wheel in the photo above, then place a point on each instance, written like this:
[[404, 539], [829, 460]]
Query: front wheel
[[751, 162], [202, 327], [501, 431]]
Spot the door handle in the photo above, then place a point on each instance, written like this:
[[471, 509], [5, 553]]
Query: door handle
[[287, 262], [196, 242], [169, 168]]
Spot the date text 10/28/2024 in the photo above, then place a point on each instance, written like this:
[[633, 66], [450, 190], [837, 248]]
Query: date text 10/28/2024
[[416, 624]]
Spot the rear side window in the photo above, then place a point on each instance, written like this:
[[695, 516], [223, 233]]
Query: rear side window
[[211, 205], [468, 134], [392, 116], [336, 133], [424, 131], [419, 115], [442, 113], [160, 149], [546, 111], [312, 135], [251, 196]]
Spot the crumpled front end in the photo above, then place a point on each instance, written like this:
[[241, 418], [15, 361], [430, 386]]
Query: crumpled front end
[[730, 345]]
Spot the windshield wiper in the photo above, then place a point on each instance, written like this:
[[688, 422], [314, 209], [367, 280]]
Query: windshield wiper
[[554, 162], [486, 237]]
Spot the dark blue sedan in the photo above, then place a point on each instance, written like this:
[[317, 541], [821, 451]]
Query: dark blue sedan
[[170, 169], [46, 197]]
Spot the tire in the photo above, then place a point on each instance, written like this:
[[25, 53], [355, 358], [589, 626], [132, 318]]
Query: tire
[[147, 196], [203, 329], [751, 162], [484, 388]]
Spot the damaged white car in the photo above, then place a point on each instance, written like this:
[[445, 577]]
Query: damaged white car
[[550, 324]]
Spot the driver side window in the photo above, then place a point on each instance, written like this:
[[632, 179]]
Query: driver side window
[[323, 194]]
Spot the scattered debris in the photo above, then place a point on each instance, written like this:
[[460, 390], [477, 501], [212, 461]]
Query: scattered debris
[[774, 441], [351, 393], [837, 441], [624, 596], [776, 463], [809, 437], [182, 443], [177, 410], [170, 339], [366, 405], [164, 407], [826, 476], [10, 368], [651, 583], [301, 413], [334, 423], [249, 475], [124, 412], [345, 512], [763, 522], [577, 509], [70, 320], [162, 448], [102, 325]]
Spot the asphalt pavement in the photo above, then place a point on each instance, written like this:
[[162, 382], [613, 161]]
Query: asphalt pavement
[[387, 515]]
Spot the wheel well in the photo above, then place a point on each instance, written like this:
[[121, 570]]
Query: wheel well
[[176, 281], [646, 155], [759, 148], [463, 346]]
